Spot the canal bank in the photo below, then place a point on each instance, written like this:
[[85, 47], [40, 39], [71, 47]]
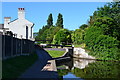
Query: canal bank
[[82, 54], [82, 68]]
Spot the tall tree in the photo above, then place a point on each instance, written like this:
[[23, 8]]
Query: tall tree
[[111, 10], [60, 21], [103, 15], [83, 26], [50, 21]]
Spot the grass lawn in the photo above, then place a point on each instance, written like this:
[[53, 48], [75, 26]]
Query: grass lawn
[[55, 54], [79, 45], [14, 67]]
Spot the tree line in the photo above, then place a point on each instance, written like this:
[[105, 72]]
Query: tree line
[[101, 34], [55, 34]]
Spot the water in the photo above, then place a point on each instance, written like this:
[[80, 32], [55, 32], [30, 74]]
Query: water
[[81, 69]]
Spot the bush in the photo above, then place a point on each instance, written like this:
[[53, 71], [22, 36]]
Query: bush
[[102, 46], [78, 36], [105, 48], [91, 35], [62, 36]]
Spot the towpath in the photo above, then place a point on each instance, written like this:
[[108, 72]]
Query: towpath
[[34, 72]]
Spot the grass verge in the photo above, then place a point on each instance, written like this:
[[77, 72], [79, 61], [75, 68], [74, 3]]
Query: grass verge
[[55, 54], [80, 45], [14, 67]]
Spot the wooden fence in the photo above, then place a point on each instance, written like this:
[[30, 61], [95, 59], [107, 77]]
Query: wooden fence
[[12, 46]]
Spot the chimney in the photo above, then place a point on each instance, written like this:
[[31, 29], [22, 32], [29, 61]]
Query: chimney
[[6, 21], [21, 13]]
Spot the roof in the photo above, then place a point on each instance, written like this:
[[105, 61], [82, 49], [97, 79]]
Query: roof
[[25, 20], [12, 21]]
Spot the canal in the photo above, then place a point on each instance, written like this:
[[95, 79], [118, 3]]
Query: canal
[[81, 69]]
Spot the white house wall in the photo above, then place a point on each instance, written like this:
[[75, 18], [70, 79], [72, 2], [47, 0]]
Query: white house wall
[[1, 30], [19, 27], [30, 25]]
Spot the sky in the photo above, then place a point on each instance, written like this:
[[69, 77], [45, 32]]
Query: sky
[[58, 0], [74, 13]]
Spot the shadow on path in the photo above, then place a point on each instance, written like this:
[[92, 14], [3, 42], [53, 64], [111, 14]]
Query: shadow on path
[[34, 72]]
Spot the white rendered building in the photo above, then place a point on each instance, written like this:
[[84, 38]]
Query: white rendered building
[[20, 26]]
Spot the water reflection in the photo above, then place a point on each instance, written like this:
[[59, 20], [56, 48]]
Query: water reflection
[[72, 76], [72, 63], [81, 63], [82, 69]]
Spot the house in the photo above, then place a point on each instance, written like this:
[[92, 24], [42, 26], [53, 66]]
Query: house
[[20, 27]]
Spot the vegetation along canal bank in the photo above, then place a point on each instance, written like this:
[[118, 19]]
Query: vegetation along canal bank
[[100, 36], [79, 68]]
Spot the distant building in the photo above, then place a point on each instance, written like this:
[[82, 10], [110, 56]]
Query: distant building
[[20, 27]]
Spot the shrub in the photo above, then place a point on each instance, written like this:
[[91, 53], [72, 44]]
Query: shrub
[[62, 36]]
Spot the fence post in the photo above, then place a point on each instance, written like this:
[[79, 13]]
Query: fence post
[[1, 52], [21, 46], [16, 47], [11, 46], [3, 47]]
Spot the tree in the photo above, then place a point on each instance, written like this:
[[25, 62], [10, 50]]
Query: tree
[[62, 36], [108, 25], [102, 36], [102, 46], [50, 21], [78, 36], [59, 21], [51, 32], [91, 35], [106, 47], [83, 26], [110, 10]]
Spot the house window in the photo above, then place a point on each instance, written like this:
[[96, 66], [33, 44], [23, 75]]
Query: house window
[[26, 32]]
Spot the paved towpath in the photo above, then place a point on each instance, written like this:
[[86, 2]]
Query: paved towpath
[[56, 49], [34, 72]]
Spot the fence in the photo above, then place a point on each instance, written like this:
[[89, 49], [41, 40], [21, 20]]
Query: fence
[[12, 46], [0, 49]]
